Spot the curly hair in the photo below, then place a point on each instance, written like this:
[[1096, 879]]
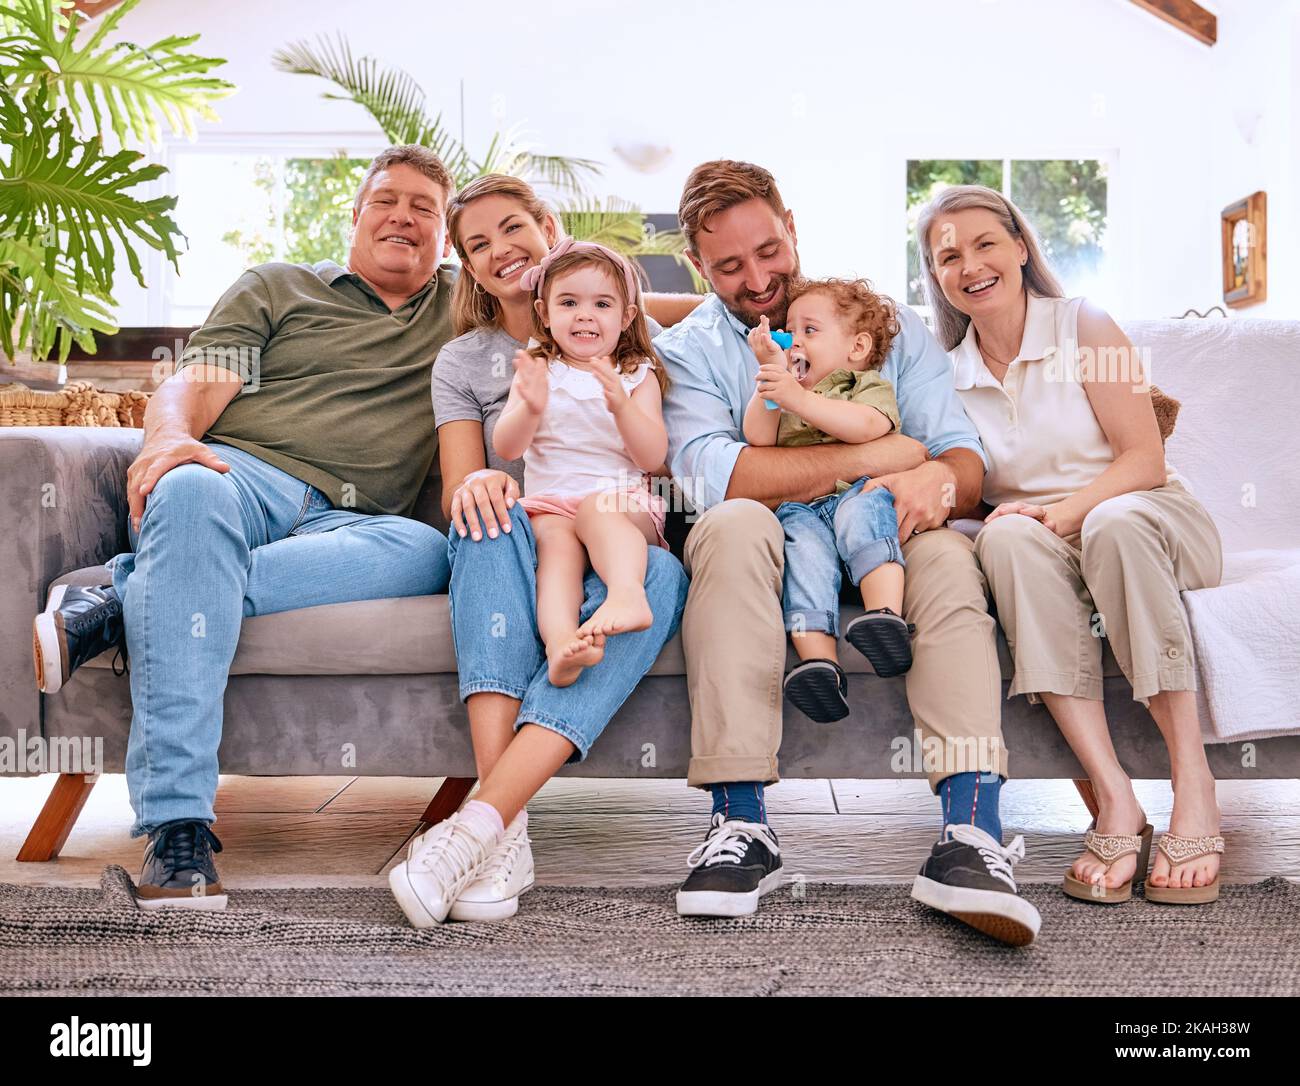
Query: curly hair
[[860, 307], [634, 344]]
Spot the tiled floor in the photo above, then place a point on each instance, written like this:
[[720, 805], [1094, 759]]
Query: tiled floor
[[346, 831]]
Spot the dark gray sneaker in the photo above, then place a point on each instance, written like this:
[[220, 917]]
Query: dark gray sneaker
[[179, 872], [78, 623], [968, 875], [737, 864]]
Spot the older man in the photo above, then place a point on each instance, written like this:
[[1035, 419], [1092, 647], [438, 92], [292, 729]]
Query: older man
[[279, 465], [741, 237]]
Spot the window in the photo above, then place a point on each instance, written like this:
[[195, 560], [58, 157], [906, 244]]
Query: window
[[1065, 201], [240, 207]]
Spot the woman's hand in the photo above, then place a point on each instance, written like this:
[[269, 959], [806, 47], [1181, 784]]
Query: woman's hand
[[485, 496], [1043, 513], [532, 381]]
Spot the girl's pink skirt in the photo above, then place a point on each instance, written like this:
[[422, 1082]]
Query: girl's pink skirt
[[625, 501]]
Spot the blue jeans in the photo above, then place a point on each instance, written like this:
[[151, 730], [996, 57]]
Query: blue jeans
[[854, 529], [212, 550], [498, 649]]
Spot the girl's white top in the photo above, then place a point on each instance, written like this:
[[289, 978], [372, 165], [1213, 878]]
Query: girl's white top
[[577, 449]]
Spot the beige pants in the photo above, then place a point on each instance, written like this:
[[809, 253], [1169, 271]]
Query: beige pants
[[1119, 578], [735, 644]]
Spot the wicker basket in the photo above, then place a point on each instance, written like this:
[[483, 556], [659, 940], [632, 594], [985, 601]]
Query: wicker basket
[[78, 403]]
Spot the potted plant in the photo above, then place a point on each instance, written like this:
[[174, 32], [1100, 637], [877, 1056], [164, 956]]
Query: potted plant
[[71, 106]]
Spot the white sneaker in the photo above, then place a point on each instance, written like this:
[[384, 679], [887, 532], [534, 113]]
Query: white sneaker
[[447, 859], [494, 894]]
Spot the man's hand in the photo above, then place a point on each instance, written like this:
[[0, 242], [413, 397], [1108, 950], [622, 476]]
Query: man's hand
[[486, 494], [532, 381], [923, 497], [161, 453]]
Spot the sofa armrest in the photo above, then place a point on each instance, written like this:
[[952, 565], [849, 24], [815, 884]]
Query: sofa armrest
[[62, 506]]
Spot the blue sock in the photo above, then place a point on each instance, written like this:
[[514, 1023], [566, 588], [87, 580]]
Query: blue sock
[[742, 800], [972, 798]]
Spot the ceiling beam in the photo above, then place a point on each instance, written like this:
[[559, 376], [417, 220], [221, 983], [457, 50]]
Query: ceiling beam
[[1187, 16]]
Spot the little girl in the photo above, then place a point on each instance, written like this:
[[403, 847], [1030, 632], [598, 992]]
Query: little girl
[[830, 389], [589, 426]]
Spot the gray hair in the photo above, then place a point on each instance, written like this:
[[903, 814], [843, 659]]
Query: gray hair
[[407, 154], [950, 323]]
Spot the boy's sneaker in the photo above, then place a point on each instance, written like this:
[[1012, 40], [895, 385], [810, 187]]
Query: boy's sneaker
[[78, 623], [819, 689], [445, 861], [737, 864], [494, 894], [968, 875], [179, 872], [884, 639]]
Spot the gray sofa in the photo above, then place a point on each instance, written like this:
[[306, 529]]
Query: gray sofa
[[379, 677]]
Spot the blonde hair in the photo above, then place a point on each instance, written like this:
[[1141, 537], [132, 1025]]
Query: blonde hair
[[950, 323], [860, 307], [471, 306], [634, 346], [716, 186]]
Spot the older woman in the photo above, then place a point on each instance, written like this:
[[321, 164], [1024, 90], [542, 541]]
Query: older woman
[[1093, 534], [523, 728]]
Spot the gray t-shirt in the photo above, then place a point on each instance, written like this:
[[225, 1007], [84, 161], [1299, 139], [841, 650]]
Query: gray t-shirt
[[471, 381]]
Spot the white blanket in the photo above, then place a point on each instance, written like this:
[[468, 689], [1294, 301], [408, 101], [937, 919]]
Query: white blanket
[[1247, 642]]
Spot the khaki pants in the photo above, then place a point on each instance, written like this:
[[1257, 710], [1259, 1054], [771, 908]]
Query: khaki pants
[[735, 645], [1121, 577]]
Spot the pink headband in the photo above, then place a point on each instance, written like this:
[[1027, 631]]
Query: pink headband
[[535, 277]]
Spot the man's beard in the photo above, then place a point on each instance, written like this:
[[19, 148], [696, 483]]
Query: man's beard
[[775, 316]]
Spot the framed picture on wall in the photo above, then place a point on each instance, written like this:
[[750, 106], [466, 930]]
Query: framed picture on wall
[[1245, 251]]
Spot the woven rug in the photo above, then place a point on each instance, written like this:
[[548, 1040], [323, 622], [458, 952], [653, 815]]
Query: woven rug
[[807, 939]]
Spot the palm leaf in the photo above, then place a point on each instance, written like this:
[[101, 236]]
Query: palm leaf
[[392, 97], [54, 181], [123, 84], [621, 226], [41, 304]]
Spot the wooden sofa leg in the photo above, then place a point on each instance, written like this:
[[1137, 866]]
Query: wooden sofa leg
[[57, 817], [1089, 796], [448, 799]]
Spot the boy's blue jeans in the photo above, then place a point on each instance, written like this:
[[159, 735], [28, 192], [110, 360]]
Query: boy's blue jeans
[[854, 529], [214, 548], [498, 649]]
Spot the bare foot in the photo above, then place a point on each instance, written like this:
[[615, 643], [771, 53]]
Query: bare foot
[[622, 612], [1195, 814], [1120, 813], [565, 664]]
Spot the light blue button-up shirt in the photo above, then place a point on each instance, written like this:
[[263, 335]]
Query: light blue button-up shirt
[[711, 371]]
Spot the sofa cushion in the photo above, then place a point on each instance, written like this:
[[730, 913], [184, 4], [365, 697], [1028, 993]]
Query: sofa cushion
[[410, 636]]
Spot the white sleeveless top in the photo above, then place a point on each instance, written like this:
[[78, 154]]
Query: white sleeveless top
[[577, 449], [1037, 427]]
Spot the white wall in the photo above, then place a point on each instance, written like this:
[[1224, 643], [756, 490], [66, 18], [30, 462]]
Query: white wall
[[834, 100]]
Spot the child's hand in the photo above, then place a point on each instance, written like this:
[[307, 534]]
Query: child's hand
[[532, 381], [778, 384], [765, 348], [611, 382]]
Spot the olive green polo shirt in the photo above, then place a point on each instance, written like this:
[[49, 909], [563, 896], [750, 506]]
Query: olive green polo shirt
[[336, 385], [867, 387]]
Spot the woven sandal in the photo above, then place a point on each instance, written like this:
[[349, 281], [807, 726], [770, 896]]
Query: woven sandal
[[1109, 847], [1181, 850]]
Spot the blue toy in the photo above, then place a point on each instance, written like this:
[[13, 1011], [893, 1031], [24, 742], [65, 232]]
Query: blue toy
[[784, 340]]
